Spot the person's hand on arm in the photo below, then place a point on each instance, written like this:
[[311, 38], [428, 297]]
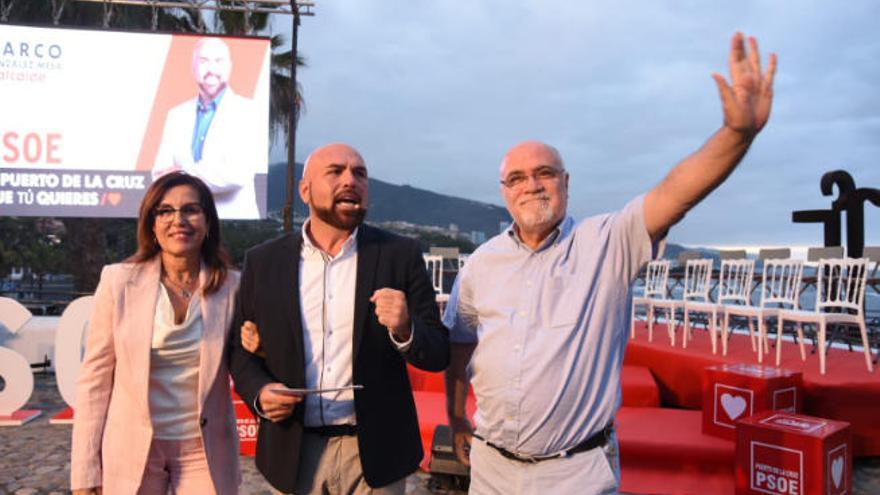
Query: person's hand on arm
[[250, 339], [392, 313], [457, 386], [746, 103]]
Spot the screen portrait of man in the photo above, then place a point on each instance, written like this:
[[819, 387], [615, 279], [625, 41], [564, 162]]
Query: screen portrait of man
[[217, 135]]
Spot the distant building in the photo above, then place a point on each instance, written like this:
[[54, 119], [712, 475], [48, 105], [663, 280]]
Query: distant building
[[478, 237], [503, 225], [453, 227]]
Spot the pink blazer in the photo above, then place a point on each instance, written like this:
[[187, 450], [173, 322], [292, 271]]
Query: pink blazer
[[112, 430]]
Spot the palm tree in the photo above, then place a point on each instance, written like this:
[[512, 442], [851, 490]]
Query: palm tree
[[91, 243], [284, 98]]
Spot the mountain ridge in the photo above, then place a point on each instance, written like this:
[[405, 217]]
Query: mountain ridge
[[403, 203]]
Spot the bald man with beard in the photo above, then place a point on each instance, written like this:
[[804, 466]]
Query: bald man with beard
[[338, 305], [216, 135], [539, 316]]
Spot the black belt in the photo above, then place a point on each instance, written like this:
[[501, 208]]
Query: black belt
[[332, 430], [597, 440]]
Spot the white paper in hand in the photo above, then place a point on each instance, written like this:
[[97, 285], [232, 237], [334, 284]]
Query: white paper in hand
[[304, 391]]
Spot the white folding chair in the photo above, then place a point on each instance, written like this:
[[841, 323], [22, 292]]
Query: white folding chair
[[734, 286], [734, 289], [780, 289], [434, 265], [697, 275], [840, 294], [656, 278]]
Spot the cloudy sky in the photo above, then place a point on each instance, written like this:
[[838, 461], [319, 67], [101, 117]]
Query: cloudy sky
[[434, 92]]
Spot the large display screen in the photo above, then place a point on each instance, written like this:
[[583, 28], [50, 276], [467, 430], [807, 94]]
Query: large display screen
[[88, 119]]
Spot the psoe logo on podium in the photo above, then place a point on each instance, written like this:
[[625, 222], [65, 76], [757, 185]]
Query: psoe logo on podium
[[732, 403], [776, 470]]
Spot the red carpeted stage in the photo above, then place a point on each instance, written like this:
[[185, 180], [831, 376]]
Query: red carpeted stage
[[663, 449], [848, 392]]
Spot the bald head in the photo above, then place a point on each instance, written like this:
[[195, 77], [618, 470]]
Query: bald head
[[329, 153], [533, 152], [212, 65]]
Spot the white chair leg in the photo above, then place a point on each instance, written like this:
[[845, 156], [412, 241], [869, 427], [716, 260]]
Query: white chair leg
[[686, 331], [766, 339], [724, 330], [670, 325], [752, 332], [650, 322], [863, 329], [800, 336], [778, 342], [712, 332], [821, 333]]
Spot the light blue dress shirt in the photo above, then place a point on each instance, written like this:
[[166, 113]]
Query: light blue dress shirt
[[551, 326], [204, 117]]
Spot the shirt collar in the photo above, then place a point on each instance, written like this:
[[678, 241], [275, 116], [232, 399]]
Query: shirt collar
[[350, 245], [560, 232], [210, 106]]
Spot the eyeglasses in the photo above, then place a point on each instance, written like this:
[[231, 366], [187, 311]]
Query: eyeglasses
[[188, 212], [544, 175]]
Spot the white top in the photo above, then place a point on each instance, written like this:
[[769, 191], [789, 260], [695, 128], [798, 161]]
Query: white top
[[326, 288], [174, 370]]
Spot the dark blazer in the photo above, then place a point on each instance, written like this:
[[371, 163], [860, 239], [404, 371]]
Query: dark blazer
[[388, 430]]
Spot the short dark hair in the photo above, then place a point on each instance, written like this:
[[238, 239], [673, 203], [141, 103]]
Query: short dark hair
[[213, 253]]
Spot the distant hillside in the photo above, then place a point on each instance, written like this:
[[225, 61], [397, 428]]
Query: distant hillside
[[390, 202]]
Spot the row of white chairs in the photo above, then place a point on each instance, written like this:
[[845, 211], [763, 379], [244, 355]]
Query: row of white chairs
[[840, 293]]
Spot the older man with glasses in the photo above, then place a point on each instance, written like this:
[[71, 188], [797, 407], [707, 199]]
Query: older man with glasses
[[538, 317]]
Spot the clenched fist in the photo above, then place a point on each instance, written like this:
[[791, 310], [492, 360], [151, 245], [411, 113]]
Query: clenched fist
[[392, 312]]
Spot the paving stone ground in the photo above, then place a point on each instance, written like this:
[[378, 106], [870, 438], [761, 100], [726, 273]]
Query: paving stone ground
[[35, 458]]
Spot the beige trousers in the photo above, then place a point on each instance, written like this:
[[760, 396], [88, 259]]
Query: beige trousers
[[332, 466]]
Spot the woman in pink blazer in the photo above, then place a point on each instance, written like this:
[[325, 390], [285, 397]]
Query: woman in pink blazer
[[153, 411]]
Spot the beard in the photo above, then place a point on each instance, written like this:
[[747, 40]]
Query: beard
[[344, 220], [536, 214]]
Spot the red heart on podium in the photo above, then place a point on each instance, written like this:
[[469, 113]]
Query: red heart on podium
[[114, 198]]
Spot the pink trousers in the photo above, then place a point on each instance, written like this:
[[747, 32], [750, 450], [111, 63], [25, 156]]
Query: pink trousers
[[176, 467]]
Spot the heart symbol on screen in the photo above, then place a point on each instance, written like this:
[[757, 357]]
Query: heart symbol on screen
[[733, 405], [837, 471], [114, 198]]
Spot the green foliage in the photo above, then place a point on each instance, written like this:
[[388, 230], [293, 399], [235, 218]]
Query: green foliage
[[30, 243], [241, 235]]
